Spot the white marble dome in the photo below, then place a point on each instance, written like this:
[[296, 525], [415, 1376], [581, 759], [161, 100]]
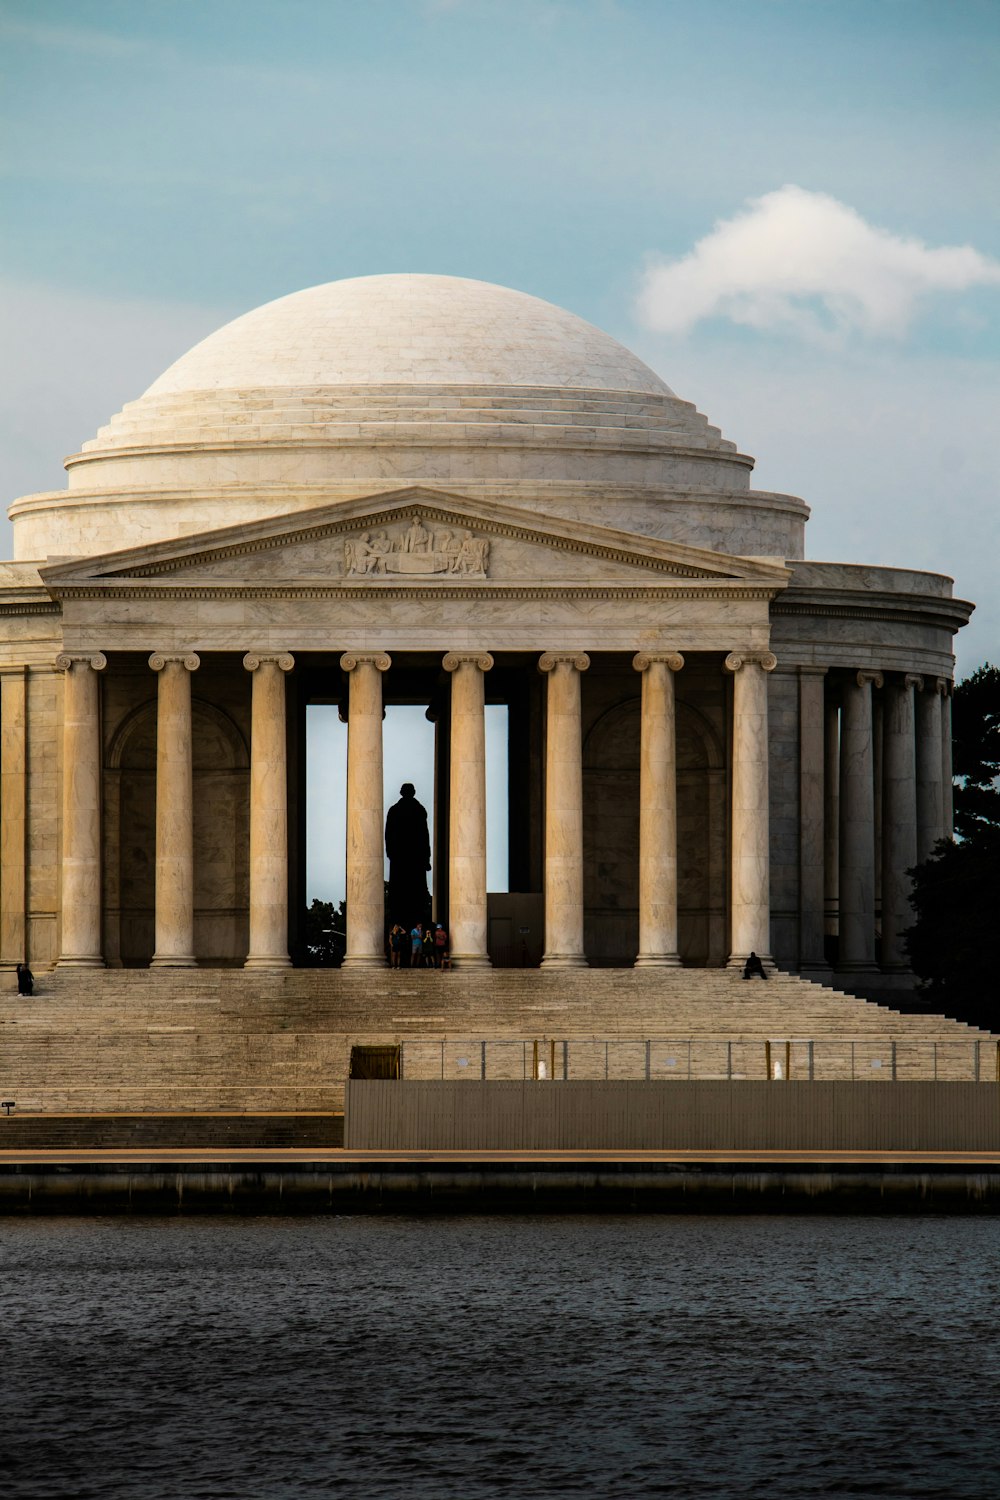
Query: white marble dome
[[408, 330], [362, 386]]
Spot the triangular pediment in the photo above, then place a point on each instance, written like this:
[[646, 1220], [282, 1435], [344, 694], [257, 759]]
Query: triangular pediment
[[412, 537]]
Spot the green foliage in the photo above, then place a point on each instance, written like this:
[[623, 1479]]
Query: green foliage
[[325, 934], [956, 898], [956, 892], [976, 751]]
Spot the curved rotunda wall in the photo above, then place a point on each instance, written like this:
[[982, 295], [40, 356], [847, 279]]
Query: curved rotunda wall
[[365, 385]]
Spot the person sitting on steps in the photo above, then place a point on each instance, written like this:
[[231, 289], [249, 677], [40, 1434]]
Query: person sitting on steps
[[754, 967]]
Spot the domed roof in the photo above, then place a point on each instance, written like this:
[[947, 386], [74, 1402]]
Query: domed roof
[[408, 330], [384, 382]]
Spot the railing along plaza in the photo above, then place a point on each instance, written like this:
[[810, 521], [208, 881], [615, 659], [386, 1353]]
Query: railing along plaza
[[820, 1059]]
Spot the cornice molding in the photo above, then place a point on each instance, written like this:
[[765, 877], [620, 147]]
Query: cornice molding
[[489, 439], [722, 589], [907, 609]]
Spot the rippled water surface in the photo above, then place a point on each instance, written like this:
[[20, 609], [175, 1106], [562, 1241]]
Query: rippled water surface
[[478, 1357]]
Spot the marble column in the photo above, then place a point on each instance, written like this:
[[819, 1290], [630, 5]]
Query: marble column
[[930, 794], [174, 924], [812, 817], [899, 817], [947, 770], [831, 818], [657, 811], [467, 809], [81, 811], [857, 824], [14, 825], [563, 811], [365, 815], [750, 912], [268, 812]]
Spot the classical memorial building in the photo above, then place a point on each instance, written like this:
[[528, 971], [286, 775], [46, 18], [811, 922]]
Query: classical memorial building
[[426, 490]]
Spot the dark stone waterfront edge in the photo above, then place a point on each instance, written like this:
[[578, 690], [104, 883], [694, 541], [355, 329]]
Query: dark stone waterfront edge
[[512, 1187]]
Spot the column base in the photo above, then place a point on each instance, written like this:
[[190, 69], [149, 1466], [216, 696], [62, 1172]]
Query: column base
[[173, 961], [564, 961], [858, 966], [365, 961], [657, 961], [80, 961], [267, 961], [471, 961]]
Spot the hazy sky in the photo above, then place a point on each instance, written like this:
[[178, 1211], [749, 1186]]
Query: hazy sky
[[789, 208]]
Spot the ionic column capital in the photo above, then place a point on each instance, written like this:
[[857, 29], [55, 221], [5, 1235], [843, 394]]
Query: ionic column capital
[[455, 659], [868, 676], [377, 659], [552, 659], [67, 660], [941, 686], [736, 660], [643, 660], [282, 659], [187, 659], [913, 680]]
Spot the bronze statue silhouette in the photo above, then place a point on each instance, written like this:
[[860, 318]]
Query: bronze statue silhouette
[[408, 845]]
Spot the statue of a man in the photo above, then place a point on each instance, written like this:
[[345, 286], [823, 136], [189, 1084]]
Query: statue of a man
[[417, 539], [408, 845]]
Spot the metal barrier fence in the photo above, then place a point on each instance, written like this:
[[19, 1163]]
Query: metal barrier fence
[[656, 1116], [820, 1059]]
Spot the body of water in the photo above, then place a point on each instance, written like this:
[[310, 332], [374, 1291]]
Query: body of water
[[477, 1357]]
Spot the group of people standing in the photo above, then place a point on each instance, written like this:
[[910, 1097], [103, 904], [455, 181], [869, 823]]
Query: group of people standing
[[426, 946]]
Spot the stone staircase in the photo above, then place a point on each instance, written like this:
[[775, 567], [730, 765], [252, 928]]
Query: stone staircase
[[219, 1040]]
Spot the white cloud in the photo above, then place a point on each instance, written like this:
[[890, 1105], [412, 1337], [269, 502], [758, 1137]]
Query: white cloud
[[807, 262]]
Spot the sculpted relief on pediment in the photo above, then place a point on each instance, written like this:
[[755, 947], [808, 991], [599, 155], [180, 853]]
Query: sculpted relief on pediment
[[383, 544], [416, 551]]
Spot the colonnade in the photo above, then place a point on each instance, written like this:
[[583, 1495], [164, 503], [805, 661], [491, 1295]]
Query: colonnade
[[893, 756], [564, 809], [174, 861]]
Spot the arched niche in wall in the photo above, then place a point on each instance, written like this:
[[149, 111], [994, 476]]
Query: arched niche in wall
[[221, 762], [611, 836]]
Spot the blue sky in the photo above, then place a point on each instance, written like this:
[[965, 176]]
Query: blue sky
[[228, 150], [815, 178]]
